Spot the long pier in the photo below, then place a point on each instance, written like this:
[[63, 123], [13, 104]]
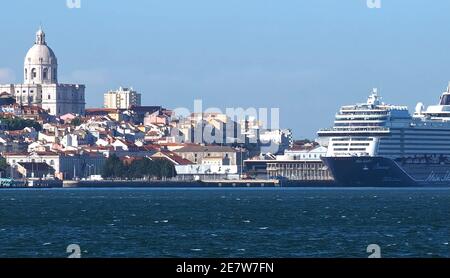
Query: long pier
[[170, 184], [196, 184]]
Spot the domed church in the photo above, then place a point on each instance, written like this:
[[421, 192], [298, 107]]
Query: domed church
[[41, 87]]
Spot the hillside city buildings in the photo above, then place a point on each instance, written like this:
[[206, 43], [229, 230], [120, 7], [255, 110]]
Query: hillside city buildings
[[123, 98], [62, 140], [40, 87]]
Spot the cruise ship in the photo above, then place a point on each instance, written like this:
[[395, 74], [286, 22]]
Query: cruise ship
[[377, 144]]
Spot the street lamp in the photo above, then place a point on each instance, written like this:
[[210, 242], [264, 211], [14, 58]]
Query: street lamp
[[90, 166]]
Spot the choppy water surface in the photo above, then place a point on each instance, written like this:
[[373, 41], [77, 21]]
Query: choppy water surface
[[225, 222]]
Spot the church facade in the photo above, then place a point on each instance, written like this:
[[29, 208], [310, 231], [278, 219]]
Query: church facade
[[41, 87]]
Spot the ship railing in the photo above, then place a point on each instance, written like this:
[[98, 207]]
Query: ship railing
[[381, 129]]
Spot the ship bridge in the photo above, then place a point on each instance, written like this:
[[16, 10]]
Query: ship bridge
[[358, 128], [439, 112]]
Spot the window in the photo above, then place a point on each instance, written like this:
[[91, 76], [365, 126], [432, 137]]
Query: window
[[33, 73], [26, 74], [45, 73], [49, 97]]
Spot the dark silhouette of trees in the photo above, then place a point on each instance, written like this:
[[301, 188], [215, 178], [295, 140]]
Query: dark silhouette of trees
[[138, 169], [19, 123], [3, 165], [76, 121]]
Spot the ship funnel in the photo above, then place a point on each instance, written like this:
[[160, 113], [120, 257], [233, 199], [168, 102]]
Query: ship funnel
[[419, 108], [374, 99]]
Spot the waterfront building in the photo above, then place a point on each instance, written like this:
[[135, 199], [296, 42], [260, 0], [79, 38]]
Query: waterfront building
[[296, 165], [123, 98], [67, 165], [199, 154], [299, 170], [206, 172], [311, 154], [41, 88], [35, 170]]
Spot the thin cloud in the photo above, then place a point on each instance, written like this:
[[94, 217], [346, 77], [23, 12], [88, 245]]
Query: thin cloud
[[93, 77], [7, 76]]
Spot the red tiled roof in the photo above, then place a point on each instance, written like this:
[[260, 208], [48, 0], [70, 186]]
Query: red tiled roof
[[212, 148], [173, 157], [130, 159], [150, 147], [104, 110]]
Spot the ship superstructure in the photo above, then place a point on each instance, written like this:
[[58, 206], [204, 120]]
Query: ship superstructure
[[376, 144]]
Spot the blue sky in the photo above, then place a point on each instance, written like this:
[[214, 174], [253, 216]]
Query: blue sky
[[306, 57]]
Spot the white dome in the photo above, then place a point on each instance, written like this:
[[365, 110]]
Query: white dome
[[41, 65], [40, 54]]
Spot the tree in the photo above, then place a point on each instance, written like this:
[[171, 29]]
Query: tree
[[167, 169], [76, 121], [3, 165], [138, 169], [19, 123], [113, 168]]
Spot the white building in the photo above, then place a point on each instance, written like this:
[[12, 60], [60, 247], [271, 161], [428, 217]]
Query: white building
[[304, 155], [206, 172], [275, 141], [67, 166], [123, 98], [41, 88]]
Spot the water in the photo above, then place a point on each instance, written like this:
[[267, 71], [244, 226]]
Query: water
[[225, 222]]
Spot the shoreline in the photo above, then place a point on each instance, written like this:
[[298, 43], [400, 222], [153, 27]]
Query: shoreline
[[173, 184], [196, 184]]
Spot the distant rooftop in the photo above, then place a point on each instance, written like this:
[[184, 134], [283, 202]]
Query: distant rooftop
[[199, 148], [37, 166]]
